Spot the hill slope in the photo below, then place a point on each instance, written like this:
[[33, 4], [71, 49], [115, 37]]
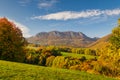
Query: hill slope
[[100, 43], [19, 71], [69, 38]]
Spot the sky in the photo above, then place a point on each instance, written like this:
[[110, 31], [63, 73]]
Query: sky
[[95, 18]]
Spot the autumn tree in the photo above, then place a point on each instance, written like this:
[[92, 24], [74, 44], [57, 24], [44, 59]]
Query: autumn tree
[[11, 41], [110, 56], [115, 39]]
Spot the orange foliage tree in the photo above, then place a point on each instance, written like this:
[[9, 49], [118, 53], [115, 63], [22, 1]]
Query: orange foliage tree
[[11, 41]]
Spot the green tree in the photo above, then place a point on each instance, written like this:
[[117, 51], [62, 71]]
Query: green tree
[[11, 41]]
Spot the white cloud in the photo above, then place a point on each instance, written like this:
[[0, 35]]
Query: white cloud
[[112, 12], [23, 28], [24, 2], [67, 15], [46, 4]]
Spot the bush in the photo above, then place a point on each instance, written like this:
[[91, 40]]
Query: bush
[[106, 69], [52, 52], [90, 52], [75, 67], [85, 66], [49, 61], [65, 62], [59, 62], [83, 58], [32, 56], [101, 69], [64, 49], [42, 61], [39, 56], [78, 50]]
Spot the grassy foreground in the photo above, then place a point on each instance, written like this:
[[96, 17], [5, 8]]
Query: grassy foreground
[[20, 71]]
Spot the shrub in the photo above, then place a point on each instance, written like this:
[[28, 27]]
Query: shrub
[[83, 58], [59, 62], [106, 69], [75, 67], [72, 62], [90, 52], [49, 61], [42, 61], [52, 52], [65, 62]]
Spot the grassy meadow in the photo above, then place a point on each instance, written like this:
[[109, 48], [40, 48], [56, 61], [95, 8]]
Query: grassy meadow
[[20, 71]]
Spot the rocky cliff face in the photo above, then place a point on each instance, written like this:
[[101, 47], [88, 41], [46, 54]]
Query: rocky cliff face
[[68, 38]]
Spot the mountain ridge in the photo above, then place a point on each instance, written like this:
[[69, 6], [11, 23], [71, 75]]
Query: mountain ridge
[[66, 38]]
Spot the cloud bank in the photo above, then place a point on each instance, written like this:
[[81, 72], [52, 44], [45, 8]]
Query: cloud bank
[[67, 15], [23, 28]]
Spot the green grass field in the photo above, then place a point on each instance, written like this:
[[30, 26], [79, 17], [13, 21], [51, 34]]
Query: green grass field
[[20, 71], [77, 55]]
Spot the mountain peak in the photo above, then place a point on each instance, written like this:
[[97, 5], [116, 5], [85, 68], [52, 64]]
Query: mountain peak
[[66, 38]]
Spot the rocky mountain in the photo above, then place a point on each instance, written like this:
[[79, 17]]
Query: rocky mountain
[[68, 38]]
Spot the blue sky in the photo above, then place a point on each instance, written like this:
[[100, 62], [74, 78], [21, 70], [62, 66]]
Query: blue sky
[[95, 18]]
